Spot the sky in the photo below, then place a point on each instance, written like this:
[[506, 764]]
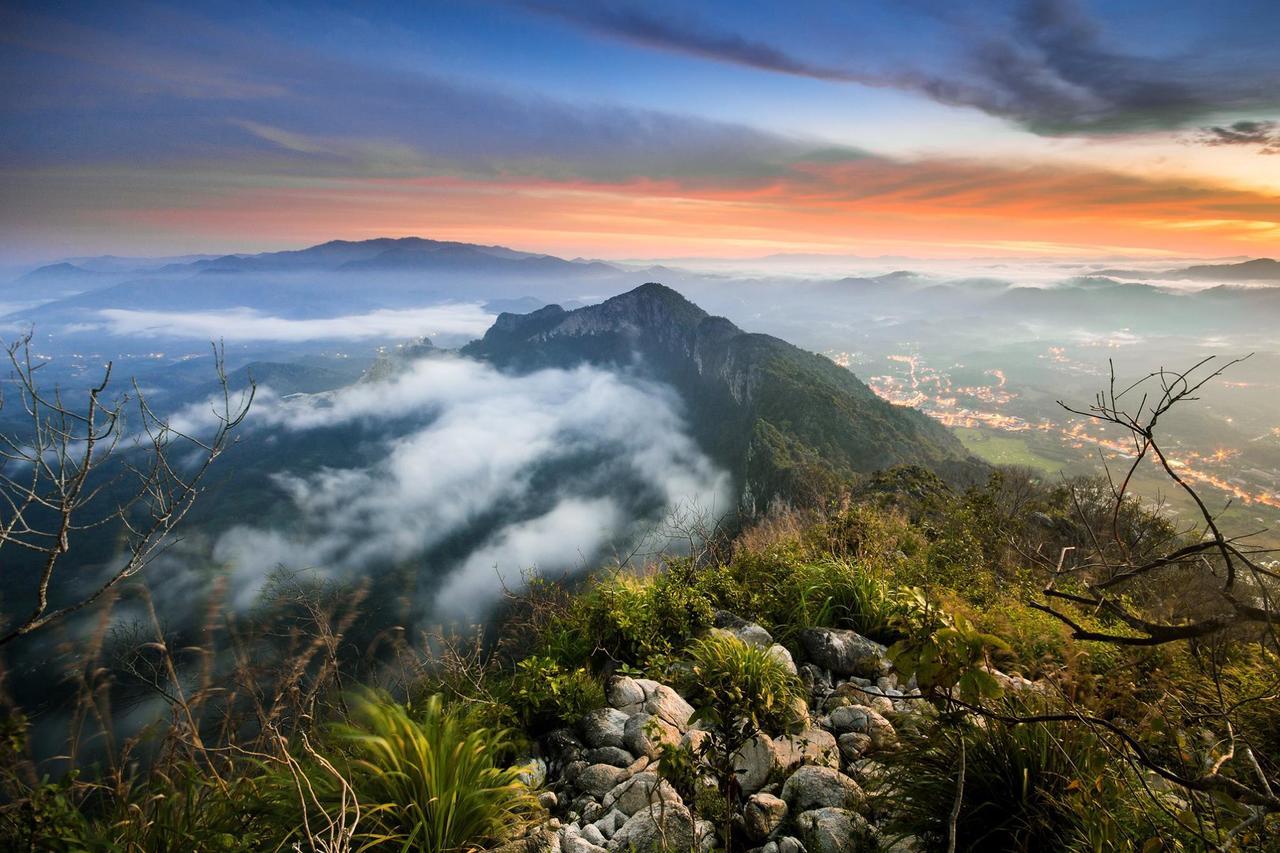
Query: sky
[[621, 129]]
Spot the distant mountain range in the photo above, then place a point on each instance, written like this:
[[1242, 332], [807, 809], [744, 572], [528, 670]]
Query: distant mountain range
[[787, 423], [1259, 269]]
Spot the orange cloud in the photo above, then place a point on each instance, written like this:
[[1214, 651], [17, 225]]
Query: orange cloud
[[928, 208]]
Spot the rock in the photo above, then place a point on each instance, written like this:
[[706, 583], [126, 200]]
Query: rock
[[624, 692], [820, 787], [572, 770], [641, 790], [562, 745], [814, 677], [693, 740], [790, 844], [543, 840], [533, 772], [844, 652], [753, 763], [575, 841], [833, 830], [615, 755], [599, 779], [782, 656], [548, 800], [749, 632], [603, 727], [705, 838], [660, 827], [762, 814], [593, 834], [610, 823], [644, 735], [811, 746], [665, 703], [853, 745], [868, 721]]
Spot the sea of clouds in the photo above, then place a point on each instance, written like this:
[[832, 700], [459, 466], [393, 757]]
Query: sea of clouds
[[459, 442]]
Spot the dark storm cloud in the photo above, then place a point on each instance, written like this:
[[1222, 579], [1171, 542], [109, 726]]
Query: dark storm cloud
[[1045, 64], [687, 37], [1263, 135]]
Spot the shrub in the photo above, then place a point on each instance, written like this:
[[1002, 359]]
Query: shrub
[[426, 780], [832, 593], [545, 694], [738, 691], [1017, 781]]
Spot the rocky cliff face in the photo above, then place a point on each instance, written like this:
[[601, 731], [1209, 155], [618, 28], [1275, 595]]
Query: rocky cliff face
[[783, 420]]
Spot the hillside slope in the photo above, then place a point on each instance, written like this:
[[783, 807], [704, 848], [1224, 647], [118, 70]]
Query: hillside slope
[[787, 423]]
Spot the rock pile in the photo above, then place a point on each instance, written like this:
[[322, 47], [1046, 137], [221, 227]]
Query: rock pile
[[800, 793]]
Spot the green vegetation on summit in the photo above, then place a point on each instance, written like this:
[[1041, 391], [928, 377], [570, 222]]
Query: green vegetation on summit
[[786, 423]]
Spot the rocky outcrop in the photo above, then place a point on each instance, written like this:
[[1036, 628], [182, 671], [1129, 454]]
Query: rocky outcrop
[[798, 792]]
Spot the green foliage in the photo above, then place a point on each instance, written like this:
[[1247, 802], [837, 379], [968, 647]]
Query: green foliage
[[735, 685], [427, 778], [545, 694], [643, 620], [1037, 786], [945, 652]]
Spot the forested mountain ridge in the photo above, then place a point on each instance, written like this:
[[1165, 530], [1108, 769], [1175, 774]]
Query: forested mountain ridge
[[786, 422]]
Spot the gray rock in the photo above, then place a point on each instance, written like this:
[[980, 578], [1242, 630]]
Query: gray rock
[[853, 745], [868, 721], [610, 823], [660, 827], [576, 842], [833, 830], [593, 835], [548, 800], [533, 772], [603, 727], [705, 838], [790, 844], [643, 789], [615, 755], [820, 787], [645, 733], [754, 762], [749, 632], [762, 814], [625, 693], [844, 652], [782, 656], [665, 703], [562, 745], [811, 746], [599, 779]]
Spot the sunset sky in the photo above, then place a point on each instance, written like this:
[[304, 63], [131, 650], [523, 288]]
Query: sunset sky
[[644, 129]]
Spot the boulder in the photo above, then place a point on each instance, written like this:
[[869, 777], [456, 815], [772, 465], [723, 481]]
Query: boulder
[[833, 830], [705, 838], [782, 656], [572, 841], [754, 762], [642, 789], [790, 844], [665, 703], [820, 787], [615, 755], [749, 632], [660, 827], [645, 733], [593, 834], [853, 745], [811, 746], [623, 692], [599, 779], [603, 727], [762, 814], [609, 824], [844, 652], [868, 721]]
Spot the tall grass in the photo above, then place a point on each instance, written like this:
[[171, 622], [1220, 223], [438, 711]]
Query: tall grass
[[427, 779]]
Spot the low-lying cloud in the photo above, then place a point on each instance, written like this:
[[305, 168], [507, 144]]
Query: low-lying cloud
[[474, 477], [246, 324]]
